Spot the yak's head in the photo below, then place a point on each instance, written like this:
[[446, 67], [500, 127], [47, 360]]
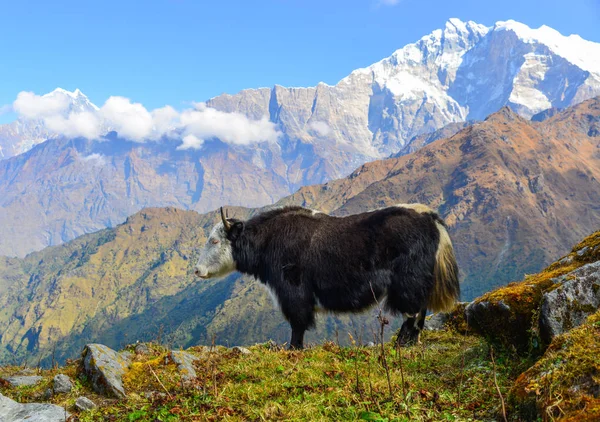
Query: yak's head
[[216, 259]]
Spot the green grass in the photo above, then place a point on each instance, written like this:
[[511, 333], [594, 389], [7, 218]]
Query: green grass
[[324, 382]]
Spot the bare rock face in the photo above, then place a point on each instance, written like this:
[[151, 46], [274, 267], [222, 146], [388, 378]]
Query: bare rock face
[[11, 411], [569, 305], [105, 367]]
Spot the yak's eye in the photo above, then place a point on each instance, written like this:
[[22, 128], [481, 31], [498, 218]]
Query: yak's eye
[[214, 241]]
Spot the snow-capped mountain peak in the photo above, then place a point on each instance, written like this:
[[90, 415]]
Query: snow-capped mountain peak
[[582, 53], [462, 71], [77, 100]]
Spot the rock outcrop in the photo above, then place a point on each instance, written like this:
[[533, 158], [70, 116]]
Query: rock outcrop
[[527, 315], [11, 411], [568, 305], [564, 383], [105, 368]]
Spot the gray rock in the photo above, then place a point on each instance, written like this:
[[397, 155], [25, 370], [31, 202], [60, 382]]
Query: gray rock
[[11, 411], [142, 349], [241, 350], [583, 250], [105, 368], [83, 403], [566, 260], [570, 304], [62, 384], [437, 321], [23, 380], [185, 364]]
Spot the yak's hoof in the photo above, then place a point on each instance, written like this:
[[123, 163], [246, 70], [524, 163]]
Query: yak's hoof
[[407, 338]]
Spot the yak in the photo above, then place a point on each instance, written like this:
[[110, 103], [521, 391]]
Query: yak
[[400, 256]]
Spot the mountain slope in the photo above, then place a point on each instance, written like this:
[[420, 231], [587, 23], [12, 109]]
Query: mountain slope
[[64, 188], [23, 134], [513, 192]]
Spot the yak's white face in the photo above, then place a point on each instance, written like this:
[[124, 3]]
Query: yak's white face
[[216, 259]]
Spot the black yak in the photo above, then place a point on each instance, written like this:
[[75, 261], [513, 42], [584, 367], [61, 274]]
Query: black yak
[[400, 256]]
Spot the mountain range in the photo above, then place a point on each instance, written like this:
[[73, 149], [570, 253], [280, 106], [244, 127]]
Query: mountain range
[[54, 188], [515, 194]]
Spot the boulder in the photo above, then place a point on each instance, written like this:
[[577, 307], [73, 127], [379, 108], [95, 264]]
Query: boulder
[[83, 403], [142, 349], [568, 305], [11, 411], [436, 322], [105, 368], [241, 350], [185, 364], [510, 315], [563, 384], [62, 384], [23, 380]]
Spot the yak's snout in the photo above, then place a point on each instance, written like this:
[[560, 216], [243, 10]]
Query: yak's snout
[[201, 272]]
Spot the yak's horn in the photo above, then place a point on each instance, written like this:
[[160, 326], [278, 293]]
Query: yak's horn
[[226, 223]]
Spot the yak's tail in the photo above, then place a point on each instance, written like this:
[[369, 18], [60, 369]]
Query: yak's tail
[[446, 288]]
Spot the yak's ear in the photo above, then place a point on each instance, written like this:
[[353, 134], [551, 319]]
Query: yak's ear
[[236, 229]]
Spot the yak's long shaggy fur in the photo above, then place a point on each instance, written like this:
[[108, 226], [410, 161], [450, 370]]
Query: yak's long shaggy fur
[[402, 254]]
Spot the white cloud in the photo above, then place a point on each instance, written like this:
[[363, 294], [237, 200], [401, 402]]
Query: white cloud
[[232, 128], [191, 142], [7, 108], [84, 124], [95, 159], [322, 128], [34, 106], [165, 120], [133, 121], [130, 120]]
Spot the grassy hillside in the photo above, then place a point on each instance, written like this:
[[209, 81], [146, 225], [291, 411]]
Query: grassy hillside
[[135, 283], [455, 374], [449, 378]]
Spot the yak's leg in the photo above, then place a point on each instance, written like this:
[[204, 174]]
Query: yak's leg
[[410, 331], [298, 306], [297, 341], [421, 323]]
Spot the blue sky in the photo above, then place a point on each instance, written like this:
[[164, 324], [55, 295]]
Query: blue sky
[[161, 52]]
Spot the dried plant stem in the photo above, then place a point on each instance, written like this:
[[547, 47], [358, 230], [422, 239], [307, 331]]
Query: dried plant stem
[[383, 321], [496, 384], [157, 379]]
